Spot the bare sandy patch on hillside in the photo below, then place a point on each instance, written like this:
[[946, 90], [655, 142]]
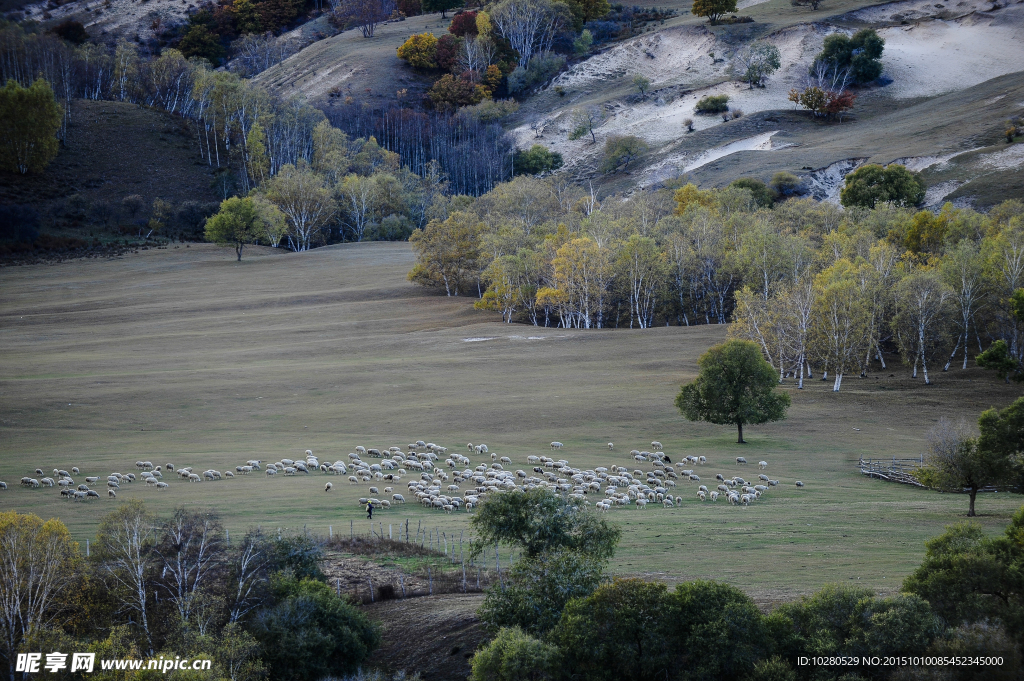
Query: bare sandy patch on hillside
[[936, 57]]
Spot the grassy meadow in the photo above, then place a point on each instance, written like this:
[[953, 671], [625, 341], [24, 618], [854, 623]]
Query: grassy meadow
[[183, 355]]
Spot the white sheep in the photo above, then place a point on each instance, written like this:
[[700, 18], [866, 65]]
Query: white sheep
[[714, 496], [702, 460], [329, 487], [762, 464], [229, 474], [270, 471], [74, 469], [111, 493], [702, 496], [763, 477], [3, 485], [398, 498], [373, 490], [47, 482], [641, 503], [192, 477], [162, 485], [556, 445], [740, 459], [656, 445]]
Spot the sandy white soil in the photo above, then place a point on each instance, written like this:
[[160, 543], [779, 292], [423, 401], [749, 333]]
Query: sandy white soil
[[928, 58]]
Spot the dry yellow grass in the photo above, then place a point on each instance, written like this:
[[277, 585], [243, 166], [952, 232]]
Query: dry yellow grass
[[185, 356]]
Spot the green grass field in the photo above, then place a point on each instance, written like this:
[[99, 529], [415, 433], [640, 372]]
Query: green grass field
[[183, 355]]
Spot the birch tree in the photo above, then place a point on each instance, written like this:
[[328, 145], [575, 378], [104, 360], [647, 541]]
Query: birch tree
[[963, 270], [447, 252], [923, 318], [39, 567], [247, 569], [522, 23], [641, 268], [124, 547], [840, 328], [581, 275], [305, 200], [190, 552]]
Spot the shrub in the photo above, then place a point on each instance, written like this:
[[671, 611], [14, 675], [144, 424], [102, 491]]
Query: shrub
[[310, 632], [492, 110], [201, 42], [620, 151], [392, 228], [536, 160], [71, 31], [463, 24], [31, 119], [513, 655], [447, 54], [860, 53], [712, 104], [451, 92], [540, 70], [19, 223], [763, 196], [784, 183], [688, 124], [582, 45], [420, 51], [642, 84], [537, 590]]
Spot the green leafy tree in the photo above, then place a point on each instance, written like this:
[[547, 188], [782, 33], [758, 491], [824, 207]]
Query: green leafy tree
[[872, 184], [447, 252], [620, 631], [998, 356], [237, 223], [967, 577], [583, 121], [712, 104], [758, 61], [442, 6], [621, 150], [201, 42], [860, 53], [842, 620], [513, 655], [31, 119], [735, 385], [311, 633], [762, 194], [960, 463], [538, 521], [1002, 438], [642, 84], [536, 160], [450, 93], [536, 590], [713, 9]]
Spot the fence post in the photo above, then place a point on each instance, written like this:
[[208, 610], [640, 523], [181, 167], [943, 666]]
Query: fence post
[[497, 566], [389, 531], [330, 531], [227, 534], [86, 548], [351, 529], [463, 576]]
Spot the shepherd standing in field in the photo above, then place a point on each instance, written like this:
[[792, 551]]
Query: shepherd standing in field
[[369, 510]]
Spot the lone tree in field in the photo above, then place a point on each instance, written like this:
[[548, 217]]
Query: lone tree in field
[[237, 223], [713, 9], [31, 118], [735, 385], [959, 460]]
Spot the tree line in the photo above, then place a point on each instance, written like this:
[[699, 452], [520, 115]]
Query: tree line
[[816, 287], [558, 615], [256, 606]]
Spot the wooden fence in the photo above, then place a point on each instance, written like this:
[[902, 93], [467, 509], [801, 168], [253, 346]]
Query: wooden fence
[[894, 470]]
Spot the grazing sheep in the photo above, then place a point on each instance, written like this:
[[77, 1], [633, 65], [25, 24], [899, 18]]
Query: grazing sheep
[[91, 493], [556, 445], [762, 464], [170, 467], [762, 476], [656, 445], [47, 482], [153, 481], [694, 478], [799, 484], [702, 496], [641, 503], [703, 488], [740, 459], [92, 480], [270, 471], [373, 490], [611, 445], [505, 460], [329, 487], [162, 485], [81, 488], [111, 493], [398, 498], [228, 474], [192, 477], [74, 469], [112, 485], [702, 460], [714, 496]]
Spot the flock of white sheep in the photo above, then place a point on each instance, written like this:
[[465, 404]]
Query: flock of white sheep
[[458, 484]]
